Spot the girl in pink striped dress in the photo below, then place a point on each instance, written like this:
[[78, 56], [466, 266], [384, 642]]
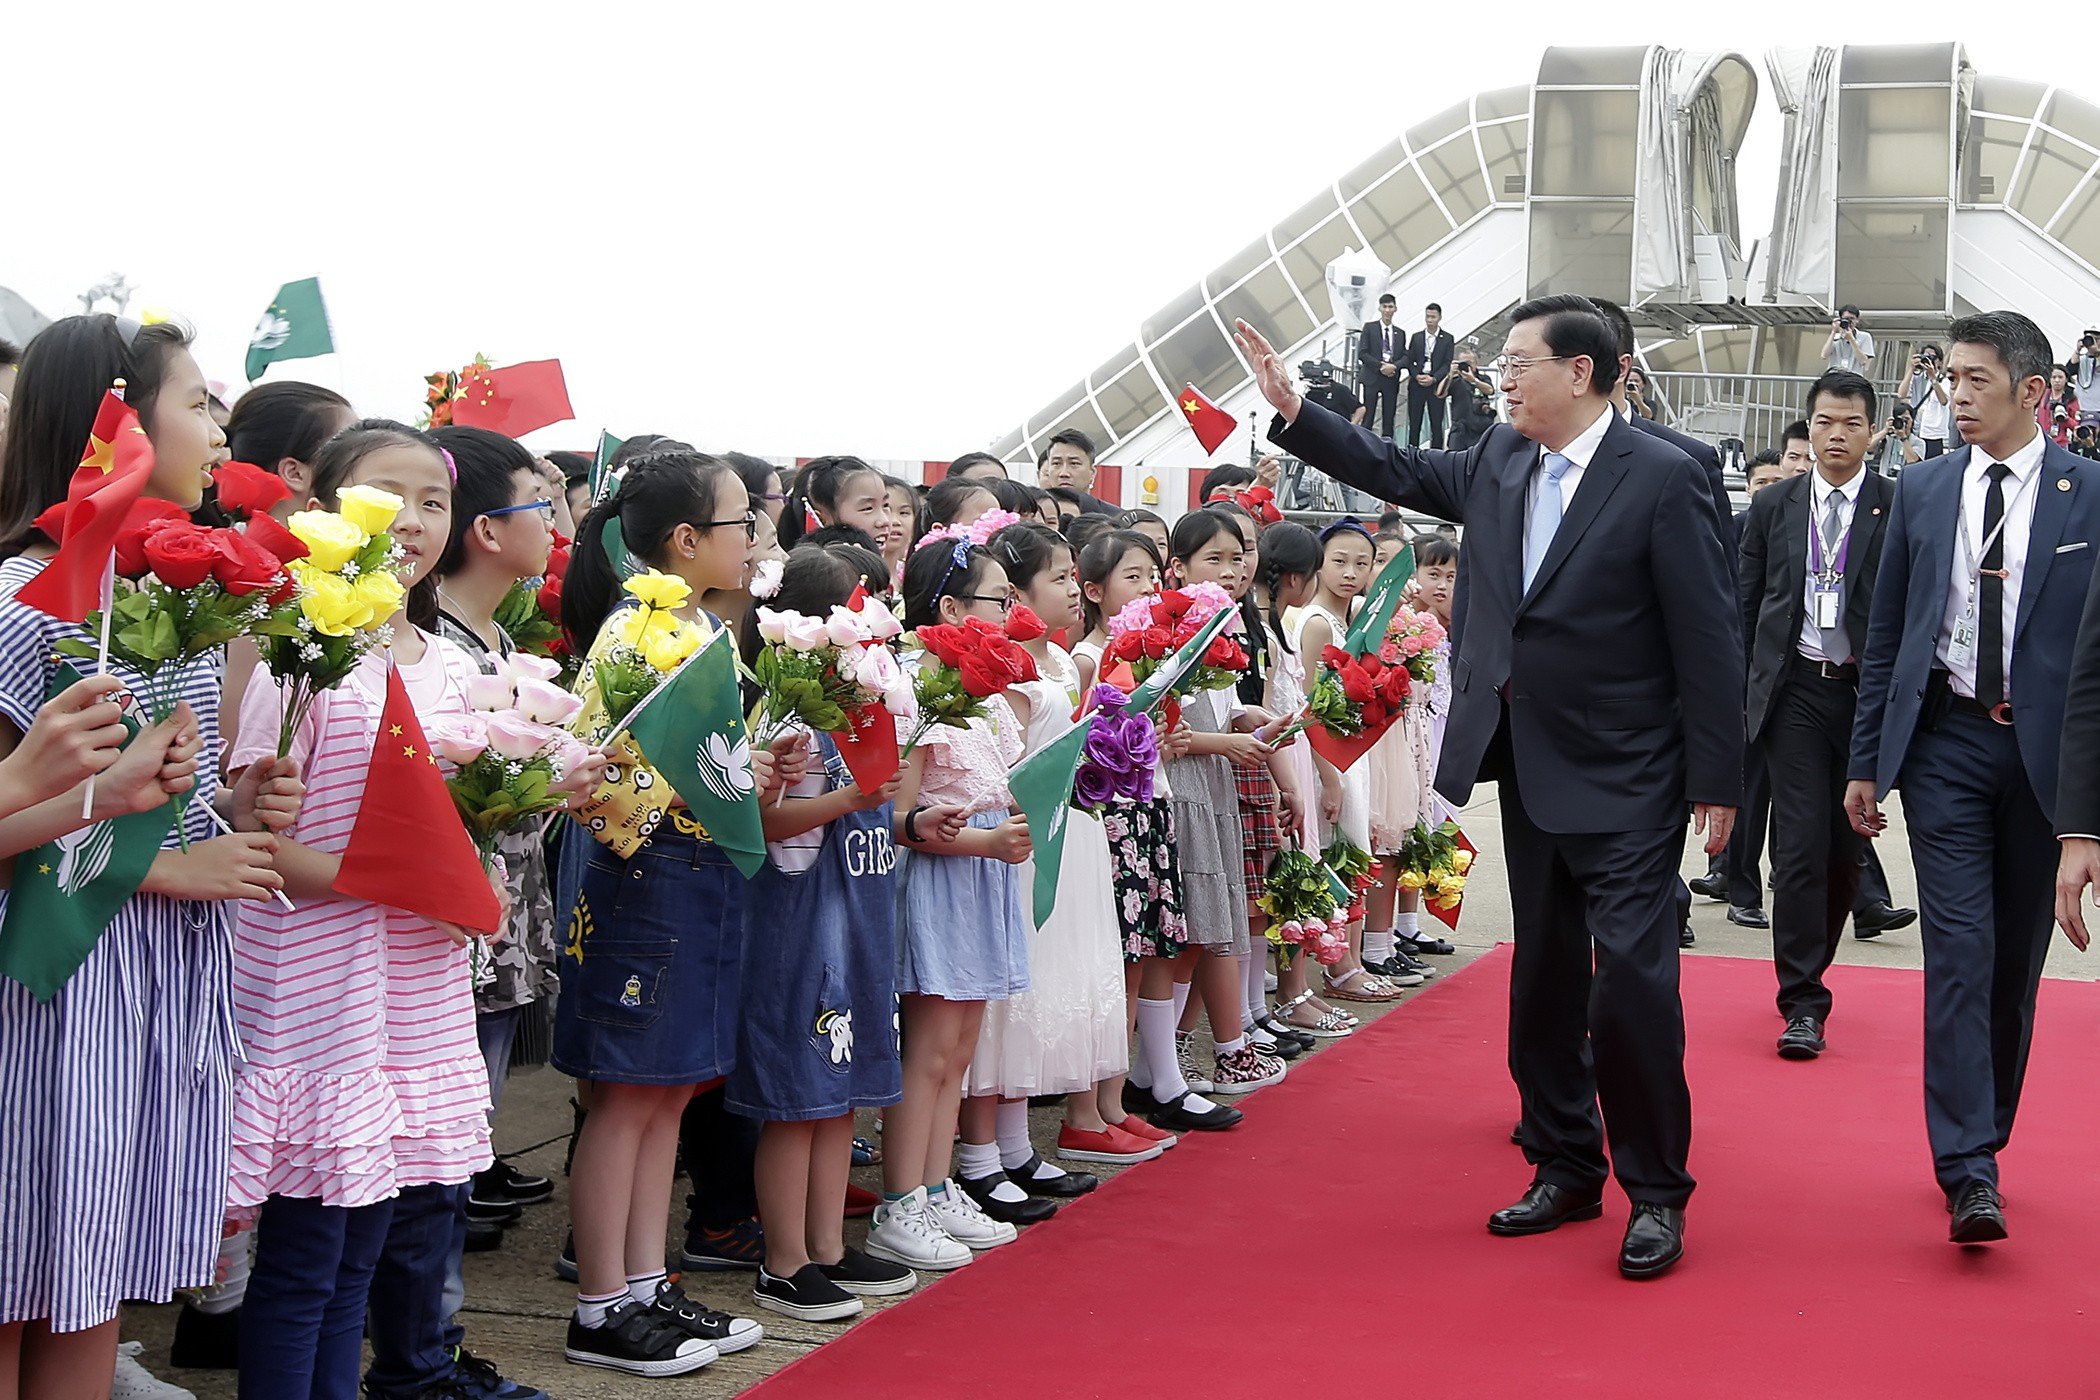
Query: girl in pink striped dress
[[361, 1109]]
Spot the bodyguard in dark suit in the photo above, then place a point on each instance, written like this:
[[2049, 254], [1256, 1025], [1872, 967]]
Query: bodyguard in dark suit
[[1429, 353], [1810, 549], [1380, 352], [1597, 680], [1985, 566]]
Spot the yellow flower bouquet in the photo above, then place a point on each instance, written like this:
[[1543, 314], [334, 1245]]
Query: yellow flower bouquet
[[345, 592], [649, 641]]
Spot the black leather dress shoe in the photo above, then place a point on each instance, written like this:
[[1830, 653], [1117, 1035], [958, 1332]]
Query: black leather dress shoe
[[1979, 1215], [1748, 916], [1546, 1207], [1030, 1211], [1686, 938], [1802, 1039], [1516, 1135], [1714, 887], [1877, 919], [1654, 1240]]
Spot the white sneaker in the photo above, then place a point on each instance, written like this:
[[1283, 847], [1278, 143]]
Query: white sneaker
[[1185, 1056], [966, 1221], [1268, 981], [907, 1232], [134, 1382]]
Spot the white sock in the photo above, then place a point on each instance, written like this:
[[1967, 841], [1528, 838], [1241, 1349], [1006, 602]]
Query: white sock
[[1232, 1046], [1156, 1046], [591, 1310], [1011, 1134], [1405, 923], [1181, 999], [1378, 945], [977, 1160], [642, 1287]]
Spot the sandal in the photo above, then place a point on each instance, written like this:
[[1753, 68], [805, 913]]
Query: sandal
[[1325, 1010], [1359, 985], [1327, 1025], [865, 1153]]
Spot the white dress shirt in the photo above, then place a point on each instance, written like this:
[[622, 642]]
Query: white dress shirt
[[1811, 643], [2020, 490], [1578, 454]]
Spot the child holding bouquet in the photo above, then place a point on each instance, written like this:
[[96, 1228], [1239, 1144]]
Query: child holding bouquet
[[119, 1084], [818, 1038], [962, 936], [1402, 767], [1116, 570], [651, 960], [1065, 1034]]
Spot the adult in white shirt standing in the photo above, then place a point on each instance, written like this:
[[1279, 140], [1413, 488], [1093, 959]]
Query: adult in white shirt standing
[[1849, 346], [1926, 393]]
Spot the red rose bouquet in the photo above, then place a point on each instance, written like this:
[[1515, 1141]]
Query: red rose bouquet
[[963, 666], [1150, 629]]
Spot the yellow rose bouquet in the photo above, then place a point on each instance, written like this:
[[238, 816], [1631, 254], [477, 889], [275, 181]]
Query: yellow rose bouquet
[[649, 642], [344, 593], [1433, 861]]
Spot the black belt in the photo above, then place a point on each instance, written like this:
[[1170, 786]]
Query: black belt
[[1968, 705], [1848, 672]]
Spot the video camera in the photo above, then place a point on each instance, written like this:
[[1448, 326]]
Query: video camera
[[1316, 371], [2090, 341]]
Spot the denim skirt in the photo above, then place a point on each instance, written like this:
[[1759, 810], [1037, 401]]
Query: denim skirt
[[651, 963]]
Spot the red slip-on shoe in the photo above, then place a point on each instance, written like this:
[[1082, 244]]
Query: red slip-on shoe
[[1139, 1128], [860, 1202], [1111, 1145]]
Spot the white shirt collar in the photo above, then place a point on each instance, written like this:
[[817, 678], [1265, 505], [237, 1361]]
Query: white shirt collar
[[1586, 442], [2022, 462], [1822, 488]]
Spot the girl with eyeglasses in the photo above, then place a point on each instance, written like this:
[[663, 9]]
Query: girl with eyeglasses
[[962, 937], [654, 915]]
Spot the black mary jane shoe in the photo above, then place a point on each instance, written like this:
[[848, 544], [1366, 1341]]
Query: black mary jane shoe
[[1062, 1186], [1418, 945], [981, 1189]]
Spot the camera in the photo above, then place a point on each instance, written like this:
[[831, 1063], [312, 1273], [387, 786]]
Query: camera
[[2059, 414], [1845, 323], [1316, 371], [2089, 340]]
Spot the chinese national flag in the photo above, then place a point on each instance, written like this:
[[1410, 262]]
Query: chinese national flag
[[868, 746], [409, 848], [112, 472], [1212, 424], [514, 400]]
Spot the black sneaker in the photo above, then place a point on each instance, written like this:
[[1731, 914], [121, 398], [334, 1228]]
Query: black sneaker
[[476, 1379], [741, 1246], [505, 1182], [564, 1262], [485, 1235], [808, 1295], [725, 1333], [498, 1210], [868, 1277], [639, 1341]]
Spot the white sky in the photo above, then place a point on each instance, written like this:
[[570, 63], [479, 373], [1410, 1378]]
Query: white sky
[[788, 228]]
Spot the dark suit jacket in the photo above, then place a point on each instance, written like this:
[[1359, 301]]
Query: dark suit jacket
[[1709, 460], [2078, 781], [1910, 595], [1773, 581], [1624, 679], [1430, 357], [1370, 352]]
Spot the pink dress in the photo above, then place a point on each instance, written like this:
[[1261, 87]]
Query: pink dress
[[362, 1074]]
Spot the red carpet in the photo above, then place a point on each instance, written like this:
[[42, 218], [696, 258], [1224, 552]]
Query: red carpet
[[1335, 1245]]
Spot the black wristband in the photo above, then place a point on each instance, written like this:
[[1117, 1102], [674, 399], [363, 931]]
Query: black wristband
[[911, 825]]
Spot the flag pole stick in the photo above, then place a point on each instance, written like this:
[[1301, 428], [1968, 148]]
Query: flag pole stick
[[109, 605], [222, 824]]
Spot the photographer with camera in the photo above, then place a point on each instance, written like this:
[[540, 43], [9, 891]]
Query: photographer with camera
[[2085, 441], [2084, 368], [1926, 395], [2058, 410], [1322, 388], [1472, 397], [1849, 347], [1896, 445]]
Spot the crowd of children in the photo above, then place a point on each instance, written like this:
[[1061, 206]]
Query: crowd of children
[[297, 1096]]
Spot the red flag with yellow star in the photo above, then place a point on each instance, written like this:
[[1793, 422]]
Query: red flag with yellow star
[[1212, 424], [513, 400], [409, 848], [112, 472]]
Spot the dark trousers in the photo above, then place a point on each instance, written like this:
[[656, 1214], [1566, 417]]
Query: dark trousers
[[1381, 402], [1594, 1014], [303, 1321], [1421, 399], [1740, 863], [412, 1331], [1873, 881], [1986, 866], [1815, 852], [720, 1151]]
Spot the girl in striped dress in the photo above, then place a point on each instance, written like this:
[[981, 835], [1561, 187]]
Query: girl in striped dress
[[113, 1162], [360, 1111]]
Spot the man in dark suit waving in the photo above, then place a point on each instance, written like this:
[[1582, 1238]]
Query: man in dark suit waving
[[1429, 353], [1810, 549], [1598, 681], [1985, 565], [1379, 353]]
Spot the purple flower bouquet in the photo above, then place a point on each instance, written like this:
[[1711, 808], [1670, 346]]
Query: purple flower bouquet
[[1121, 751]]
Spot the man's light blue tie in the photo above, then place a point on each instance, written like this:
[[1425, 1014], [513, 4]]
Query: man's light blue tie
[[1545, 516]]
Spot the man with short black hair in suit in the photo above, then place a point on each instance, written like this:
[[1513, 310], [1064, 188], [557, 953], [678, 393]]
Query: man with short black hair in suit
[[1379, 352], [1986, 562], [1810, 548], [1429, 352], [1597, 679]]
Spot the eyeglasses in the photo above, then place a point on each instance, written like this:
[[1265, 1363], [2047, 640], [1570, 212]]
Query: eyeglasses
[[547, 507], [749, 520], [1514, 365], [1006, 601]]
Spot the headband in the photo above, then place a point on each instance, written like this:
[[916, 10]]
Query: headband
[[958, 558], [451, 467], [1347, 522]]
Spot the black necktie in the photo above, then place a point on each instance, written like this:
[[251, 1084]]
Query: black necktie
[[1389, 342], [1990, 594]]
